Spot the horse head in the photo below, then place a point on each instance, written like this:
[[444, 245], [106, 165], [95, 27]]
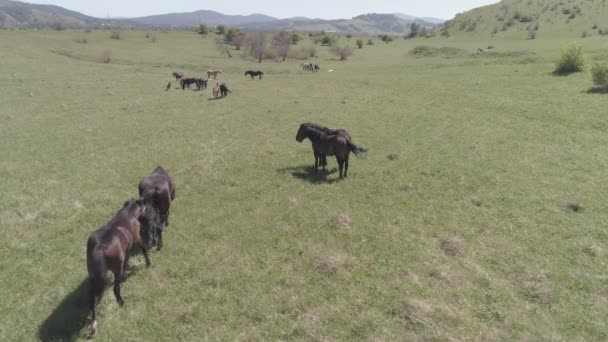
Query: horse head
[[302, 133]]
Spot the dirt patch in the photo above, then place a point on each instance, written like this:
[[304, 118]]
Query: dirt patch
[[343, 221], [392, 156], [574, 207], [453, 246], [331, 263]]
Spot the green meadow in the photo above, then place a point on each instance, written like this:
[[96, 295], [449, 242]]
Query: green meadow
[[478, 214]]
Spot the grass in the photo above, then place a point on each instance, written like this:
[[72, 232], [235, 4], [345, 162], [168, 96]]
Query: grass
[[455, 225]]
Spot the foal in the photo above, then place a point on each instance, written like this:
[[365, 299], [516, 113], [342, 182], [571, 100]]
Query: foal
[[108, 249], [159, 189]]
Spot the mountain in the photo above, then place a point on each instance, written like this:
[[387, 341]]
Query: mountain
[[20, 14], [408, 17], [210, 18], [532, 19], [367, 24]]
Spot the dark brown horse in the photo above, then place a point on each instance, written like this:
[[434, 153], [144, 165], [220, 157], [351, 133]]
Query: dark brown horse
[[253, 74], [159, 189], [186, 82], [108, 249], [329, 131], [329, 145]]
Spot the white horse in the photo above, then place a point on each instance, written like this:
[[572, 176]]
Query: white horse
[[211, 74], [306, 66]]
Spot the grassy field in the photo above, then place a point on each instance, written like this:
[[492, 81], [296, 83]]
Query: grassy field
[[453, 227]]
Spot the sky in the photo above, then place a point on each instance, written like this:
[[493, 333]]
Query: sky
[[337, 9]]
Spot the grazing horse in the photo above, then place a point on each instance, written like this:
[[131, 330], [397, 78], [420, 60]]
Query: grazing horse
[[254, 73], [306, 66], [329, 131], [329, 145], [178, 76], [186, 82], [201, 83], [108, 249], [213, 73], [224, 90], [316, 68], [159, 189]]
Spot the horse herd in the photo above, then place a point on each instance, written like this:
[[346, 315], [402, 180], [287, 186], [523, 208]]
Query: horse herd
[[141, 222]]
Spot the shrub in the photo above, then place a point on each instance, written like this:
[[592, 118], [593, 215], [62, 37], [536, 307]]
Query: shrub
[[220, 29], [360, 43], [599, 72], [343, 52], [153, 39], [81, 40], [571, 60], [115, 35], [370, 42], [585, 34], [328, 40], [594, 27], [531, 34], [106, 56], [349, 36], [386, 38], [295, 38], [203, 29]]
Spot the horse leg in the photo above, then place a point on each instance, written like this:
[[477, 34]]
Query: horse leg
[[118, 275], [144, 250], [345, 166], [124, 269], [159, 244], [95, 291], [316, 162], [340, 164]]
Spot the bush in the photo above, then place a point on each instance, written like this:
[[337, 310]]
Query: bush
[[360, 43], [571, 60], [343, 52], [81, 40], [585, 34], [599, 72], [370, 42], [531, 34], [115, 35], [106, 56], [203, 29]]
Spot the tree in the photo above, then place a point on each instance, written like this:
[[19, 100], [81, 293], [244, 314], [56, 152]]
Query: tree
[[203, 29], [238, 40], [295, 38], [222, 46], [386, 38], [328, 40], [257, 45], [360, 43], [231, 33], [220, 29], [414, 30], [342, 51], [282, 41]]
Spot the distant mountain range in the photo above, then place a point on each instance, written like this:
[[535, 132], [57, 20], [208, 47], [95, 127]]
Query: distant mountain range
[[20, 14]]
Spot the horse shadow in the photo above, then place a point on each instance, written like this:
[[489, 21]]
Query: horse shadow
[[68, 319], [71, 316], [308, 174], [215, 98]]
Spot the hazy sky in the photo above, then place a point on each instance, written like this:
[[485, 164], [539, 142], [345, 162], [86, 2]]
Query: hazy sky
[[325, 9]]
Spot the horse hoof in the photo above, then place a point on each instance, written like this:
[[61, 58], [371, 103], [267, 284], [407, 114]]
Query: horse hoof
[[121, 302], [93, 330]]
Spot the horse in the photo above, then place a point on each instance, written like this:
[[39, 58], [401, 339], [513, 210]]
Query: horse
[[216, 90], [159, 189], [213, 73], [254, 73], [306, 66], [329, 145], [178, 75], [200, 83], [168, 86], [186, 82], [316, 68], [224, 90], [108, 249], [329, 131]]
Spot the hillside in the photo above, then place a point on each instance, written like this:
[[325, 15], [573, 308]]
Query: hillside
[[372, 24], [210, 18], [531, 19], [20, 14]]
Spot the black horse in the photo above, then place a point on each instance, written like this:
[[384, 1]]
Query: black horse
[[254, 73], [329, 131], [159, 190], [178, 76], [186, 82], [329, 145], [316, 68], [224, 90], [200, 83]]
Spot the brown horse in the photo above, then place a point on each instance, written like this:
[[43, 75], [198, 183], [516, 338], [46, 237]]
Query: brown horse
[[342, 132], [108, 249], [329, 145], [159, 189]]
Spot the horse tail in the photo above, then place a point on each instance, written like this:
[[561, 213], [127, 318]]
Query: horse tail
[[356, 149]]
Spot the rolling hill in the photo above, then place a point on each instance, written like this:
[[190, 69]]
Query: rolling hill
[[210, 18], [527, 18]]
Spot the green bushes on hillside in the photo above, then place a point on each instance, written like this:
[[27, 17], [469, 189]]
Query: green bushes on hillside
[[571, 60], [599, 73]]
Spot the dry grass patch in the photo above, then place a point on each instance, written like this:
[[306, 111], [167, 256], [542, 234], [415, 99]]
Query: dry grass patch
[[573, 207], [331, 263], [343, 221]]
